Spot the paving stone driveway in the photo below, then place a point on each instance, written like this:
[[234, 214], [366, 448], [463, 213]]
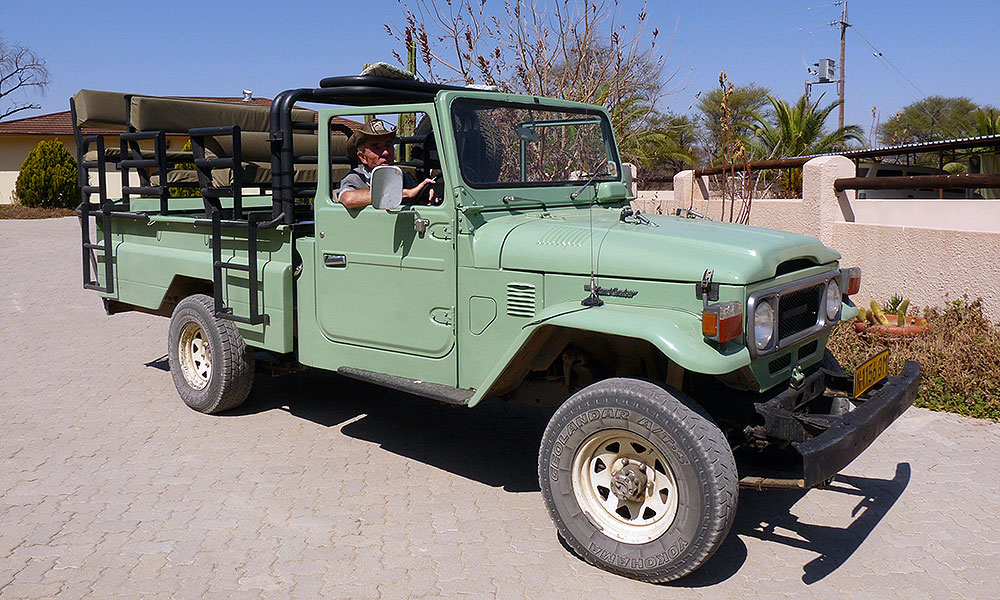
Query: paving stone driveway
[[324, 487]]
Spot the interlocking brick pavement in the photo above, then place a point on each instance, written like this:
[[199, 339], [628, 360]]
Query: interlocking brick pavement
[[324, 487]]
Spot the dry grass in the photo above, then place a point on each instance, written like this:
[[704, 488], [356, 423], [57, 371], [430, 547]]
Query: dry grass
[[16, 211], [959, 358]]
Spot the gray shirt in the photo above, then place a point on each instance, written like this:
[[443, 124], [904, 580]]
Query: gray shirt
[[359, 178]]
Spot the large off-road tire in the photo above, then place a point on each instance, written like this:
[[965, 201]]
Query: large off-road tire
[[638, 479], [210, 363]]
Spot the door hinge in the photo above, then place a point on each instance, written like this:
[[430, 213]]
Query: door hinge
[[442, 232], [444, 316]]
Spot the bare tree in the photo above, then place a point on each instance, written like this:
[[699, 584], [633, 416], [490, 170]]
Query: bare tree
[[580, 51], [20, 69]]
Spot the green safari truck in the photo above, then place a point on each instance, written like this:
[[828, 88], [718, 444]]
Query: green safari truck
[[684, 358]]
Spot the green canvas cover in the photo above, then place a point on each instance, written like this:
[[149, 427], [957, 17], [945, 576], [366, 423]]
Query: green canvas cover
[[113, 154], [178, 116], [255, 147], [95, 108], [175, 176]]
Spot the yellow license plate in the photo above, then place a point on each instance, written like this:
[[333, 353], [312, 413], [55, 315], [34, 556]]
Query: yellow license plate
[[870, 372]]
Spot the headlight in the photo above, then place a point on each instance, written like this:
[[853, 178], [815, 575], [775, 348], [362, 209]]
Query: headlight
[[763, 324], [833, 298]]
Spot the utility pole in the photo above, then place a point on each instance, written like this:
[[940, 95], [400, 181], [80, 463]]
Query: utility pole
[[843, 39]]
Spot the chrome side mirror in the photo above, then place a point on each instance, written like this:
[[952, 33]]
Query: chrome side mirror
[[387, 195], [387, 187]]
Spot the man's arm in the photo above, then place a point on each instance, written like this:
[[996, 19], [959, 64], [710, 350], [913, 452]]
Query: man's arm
[[414, 192], [356, 198]]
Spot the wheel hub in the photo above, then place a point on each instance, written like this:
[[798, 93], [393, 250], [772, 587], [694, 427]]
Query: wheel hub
[[625, 485], [629, 481]]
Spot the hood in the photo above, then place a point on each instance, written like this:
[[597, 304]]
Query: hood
[[677, 250]]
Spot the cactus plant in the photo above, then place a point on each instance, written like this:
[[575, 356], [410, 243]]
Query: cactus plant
[[880, 317], [901, 312]]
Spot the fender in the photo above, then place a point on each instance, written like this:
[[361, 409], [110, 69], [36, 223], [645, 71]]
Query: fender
[[676, 333]]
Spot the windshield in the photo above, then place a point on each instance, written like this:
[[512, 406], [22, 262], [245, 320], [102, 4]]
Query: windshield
[[515, 145]]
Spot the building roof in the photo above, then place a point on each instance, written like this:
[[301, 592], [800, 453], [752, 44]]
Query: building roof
[[61, 123]]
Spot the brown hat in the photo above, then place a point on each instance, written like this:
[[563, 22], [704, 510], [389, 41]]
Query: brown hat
[[376, 128]]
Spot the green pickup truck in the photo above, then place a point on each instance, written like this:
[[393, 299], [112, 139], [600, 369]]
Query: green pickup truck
[[684, 358]]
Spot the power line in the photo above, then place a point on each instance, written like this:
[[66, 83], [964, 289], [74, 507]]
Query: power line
[[881, 57]]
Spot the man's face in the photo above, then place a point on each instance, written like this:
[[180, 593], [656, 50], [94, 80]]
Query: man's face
[[376, 152]]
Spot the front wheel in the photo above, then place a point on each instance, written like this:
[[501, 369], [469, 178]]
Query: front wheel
[[211, 366], [638, 479]]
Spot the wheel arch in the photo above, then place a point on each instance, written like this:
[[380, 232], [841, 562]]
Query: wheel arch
[[675, 334], [181, 286]]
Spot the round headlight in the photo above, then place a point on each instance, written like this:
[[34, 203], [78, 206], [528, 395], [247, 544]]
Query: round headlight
[[833, 298], [763, 324]]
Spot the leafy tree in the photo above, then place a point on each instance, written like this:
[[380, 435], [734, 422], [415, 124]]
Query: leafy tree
[[744, 102], [20, 69], [48, 177], [799, 131], [933, 118]]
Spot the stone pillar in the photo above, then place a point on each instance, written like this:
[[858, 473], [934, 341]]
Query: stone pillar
[[821, 204], [684, 184]]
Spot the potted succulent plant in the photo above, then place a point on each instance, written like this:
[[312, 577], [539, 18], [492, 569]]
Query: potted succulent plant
[[890, 320]]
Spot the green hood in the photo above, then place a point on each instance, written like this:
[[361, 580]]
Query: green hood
[[677, 250]]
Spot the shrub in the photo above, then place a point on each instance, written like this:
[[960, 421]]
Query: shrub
[[958, 358], [48, 177], [185, 192]]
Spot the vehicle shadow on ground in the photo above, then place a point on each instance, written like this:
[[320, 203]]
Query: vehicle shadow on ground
[[496, 443], [763, 515]]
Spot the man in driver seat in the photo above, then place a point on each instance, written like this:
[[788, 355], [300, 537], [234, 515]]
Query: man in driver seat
[[371, 146]]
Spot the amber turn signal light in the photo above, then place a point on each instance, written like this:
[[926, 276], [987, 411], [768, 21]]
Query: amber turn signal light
[[852, 279], [722, 322]]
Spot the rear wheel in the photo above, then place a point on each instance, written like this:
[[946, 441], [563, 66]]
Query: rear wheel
[[211, 366], [637, 479]]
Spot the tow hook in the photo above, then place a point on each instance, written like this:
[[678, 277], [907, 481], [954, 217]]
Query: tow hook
[[797, 379]]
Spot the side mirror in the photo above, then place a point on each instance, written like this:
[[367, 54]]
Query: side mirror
[[628, 178], [387, 187], [527, 133], [611, 169]]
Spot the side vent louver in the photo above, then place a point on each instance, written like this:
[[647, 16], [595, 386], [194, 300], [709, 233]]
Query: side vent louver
[[520, 299]]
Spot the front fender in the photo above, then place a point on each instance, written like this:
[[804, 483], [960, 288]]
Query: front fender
[[677, 334]]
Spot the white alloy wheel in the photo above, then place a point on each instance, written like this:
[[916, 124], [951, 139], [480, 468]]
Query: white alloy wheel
[[195, 355], [625, 486]]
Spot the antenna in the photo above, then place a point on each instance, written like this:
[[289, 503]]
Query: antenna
[[593, 299]]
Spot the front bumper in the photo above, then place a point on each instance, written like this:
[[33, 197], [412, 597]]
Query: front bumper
[[826, 443]]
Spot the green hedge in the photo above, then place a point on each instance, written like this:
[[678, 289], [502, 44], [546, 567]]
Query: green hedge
[[48, 177]]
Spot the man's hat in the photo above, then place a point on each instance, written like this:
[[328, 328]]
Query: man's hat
[[376, 128]]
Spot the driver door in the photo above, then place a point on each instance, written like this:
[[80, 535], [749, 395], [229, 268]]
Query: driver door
[[385, 295]]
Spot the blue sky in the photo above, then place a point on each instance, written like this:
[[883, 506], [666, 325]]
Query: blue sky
[[218, 49]]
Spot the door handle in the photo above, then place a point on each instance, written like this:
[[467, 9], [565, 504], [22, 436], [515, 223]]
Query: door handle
[[334, 260]]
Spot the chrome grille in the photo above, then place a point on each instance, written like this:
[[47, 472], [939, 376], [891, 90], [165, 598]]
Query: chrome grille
[[798, 311]]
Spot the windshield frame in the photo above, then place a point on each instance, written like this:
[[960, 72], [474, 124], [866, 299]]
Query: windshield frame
[[586, 113]]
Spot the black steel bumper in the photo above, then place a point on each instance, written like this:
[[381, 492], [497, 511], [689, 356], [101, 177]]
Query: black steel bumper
[[826, 443], [826, 454]]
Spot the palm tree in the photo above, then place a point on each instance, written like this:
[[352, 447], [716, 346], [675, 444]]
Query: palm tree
[[987, 122], [798, 131], [646, 136]]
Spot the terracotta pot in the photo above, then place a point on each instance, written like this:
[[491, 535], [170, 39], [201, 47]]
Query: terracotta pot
[[913, 326]]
